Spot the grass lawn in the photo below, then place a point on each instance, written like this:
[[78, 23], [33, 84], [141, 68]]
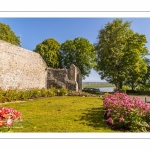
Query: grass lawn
[[97, 85], [60, 114]]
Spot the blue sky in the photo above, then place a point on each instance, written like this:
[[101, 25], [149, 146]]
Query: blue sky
[[33, 31]]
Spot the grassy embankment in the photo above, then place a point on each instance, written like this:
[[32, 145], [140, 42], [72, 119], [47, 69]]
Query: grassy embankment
[[60, 114]]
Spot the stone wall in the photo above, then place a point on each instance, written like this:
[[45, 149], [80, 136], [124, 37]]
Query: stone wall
[[24, 69], [74, 74], [69, 78], [21, 68]]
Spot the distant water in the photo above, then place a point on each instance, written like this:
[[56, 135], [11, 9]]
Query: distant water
[[107, 89]]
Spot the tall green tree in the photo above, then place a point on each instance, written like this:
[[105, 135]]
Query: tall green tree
[[49, 50], [145, 82], [120, 53], [6, 34], [79, 52], [136, 74]]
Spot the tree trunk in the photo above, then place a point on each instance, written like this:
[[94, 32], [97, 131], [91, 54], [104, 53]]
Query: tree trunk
[[120, 85], [117, 86], [132, 86]]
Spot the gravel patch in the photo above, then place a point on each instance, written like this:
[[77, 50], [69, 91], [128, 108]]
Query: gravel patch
[[143, 98]]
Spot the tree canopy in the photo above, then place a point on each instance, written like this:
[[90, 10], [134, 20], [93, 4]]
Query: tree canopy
[[49, 50], [144, 83], [6, 34], [120, 53], [79, 52]]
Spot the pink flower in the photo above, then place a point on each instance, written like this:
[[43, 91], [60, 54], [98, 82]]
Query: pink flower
[[9, 122], [110, 120], [121, 119], [108, 113], [1, 123]]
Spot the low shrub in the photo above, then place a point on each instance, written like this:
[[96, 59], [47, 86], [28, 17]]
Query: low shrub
[[92, 90], [125, 112], [2, 99], [121, 90], [44, 92], [25, 94], [13, 94], [36, 93], [132, 92], [80, 93], [62, 91], [52, 91], [138, 92]]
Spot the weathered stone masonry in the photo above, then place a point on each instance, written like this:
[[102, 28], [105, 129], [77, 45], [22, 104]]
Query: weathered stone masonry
[[69, 78], [24, 69], [21, 68]]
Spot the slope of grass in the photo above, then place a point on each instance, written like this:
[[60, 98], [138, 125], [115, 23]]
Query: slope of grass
[[61, 114]]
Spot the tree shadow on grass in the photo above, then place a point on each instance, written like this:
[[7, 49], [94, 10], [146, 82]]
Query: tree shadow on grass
[[95, 118]]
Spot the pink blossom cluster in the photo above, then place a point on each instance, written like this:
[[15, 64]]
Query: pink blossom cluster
[[121, 108], [8, 116]]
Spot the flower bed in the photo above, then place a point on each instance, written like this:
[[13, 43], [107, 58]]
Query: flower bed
[[7, 117], [124, 112]]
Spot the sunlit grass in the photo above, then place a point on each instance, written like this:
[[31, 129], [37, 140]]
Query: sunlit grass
[[97, 85], [61, 114]]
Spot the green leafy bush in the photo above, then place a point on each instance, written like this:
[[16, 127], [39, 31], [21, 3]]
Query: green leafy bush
[[62, 91], [11, 95], [125, 87], [44, 92], [52, 91], [2, 99], [25, 94]]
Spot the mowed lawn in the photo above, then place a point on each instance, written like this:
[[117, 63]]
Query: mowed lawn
[[97, 85], [60, 114]]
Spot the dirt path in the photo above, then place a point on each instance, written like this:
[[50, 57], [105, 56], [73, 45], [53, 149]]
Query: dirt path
[[12, 102], [143, 98]]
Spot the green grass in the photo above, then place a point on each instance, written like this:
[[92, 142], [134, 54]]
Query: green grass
[[61, 114], [97, 85]]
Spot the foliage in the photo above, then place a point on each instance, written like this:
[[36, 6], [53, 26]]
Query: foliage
[[92, 90], [143, 88], [123, 111], [16, 95], [81, 93], [44, 92], [79, 52], [13, 94], [52, 92], [63, 91], [145, 82], [120, 54], [125, 87], [7, 117], [120, 90], [49, 50], [136, 74], [6, 34]]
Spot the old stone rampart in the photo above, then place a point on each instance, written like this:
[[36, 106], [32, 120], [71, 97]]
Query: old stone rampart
[[69, 78], [21, 68], [24, 69]]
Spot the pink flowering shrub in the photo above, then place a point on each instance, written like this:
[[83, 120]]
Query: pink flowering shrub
[[123, 111], [8, 116]]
